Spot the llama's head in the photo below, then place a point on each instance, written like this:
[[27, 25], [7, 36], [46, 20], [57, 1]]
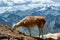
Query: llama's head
[[13, 27]]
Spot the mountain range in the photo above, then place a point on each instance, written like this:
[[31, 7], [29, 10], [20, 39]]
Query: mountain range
[[51, 14]]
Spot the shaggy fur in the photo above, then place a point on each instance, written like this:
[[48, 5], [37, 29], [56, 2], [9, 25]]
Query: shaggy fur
[[30, 22]]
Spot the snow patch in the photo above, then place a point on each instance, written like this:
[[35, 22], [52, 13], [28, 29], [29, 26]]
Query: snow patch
[[52, 35]]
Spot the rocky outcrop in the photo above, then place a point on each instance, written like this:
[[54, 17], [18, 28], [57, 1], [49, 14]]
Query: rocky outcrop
[[7, 34]]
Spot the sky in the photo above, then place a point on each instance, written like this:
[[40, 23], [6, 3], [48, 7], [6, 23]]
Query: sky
[[25, 4], [12, 2]]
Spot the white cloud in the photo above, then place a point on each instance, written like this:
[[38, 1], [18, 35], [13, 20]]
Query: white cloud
[[19, 1], [36, 0], [24, 1], [22, 7], [5, 1], [33, 4], [48, 1], [41, 1], [2, 9], [56, 0], [10, 3]]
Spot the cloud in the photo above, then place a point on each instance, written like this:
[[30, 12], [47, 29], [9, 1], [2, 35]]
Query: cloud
[[56, 0], [26, 4], [35, 0], [18, 1], [12, 2], [3, 9]]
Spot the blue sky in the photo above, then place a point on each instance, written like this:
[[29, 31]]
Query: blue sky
[[25, 4]]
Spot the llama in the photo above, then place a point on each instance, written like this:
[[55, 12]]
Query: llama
[[30, 22]]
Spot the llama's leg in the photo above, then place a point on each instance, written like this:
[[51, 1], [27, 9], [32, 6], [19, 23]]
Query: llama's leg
[[40, 32], [41, 29], [29, 31]]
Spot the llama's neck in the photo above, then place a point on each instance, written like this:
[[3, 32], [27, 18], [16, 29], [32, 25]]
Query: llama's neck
[[15, 25]]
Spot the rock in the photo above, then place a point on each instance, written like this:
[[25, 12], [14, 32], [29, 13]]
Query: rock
[[49, 39], [7, 34], [15, 35]]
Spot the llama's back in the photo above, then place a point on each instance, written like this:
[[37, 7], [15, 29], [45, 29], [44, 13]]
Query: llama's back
[[32, 20], [33, 17]]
